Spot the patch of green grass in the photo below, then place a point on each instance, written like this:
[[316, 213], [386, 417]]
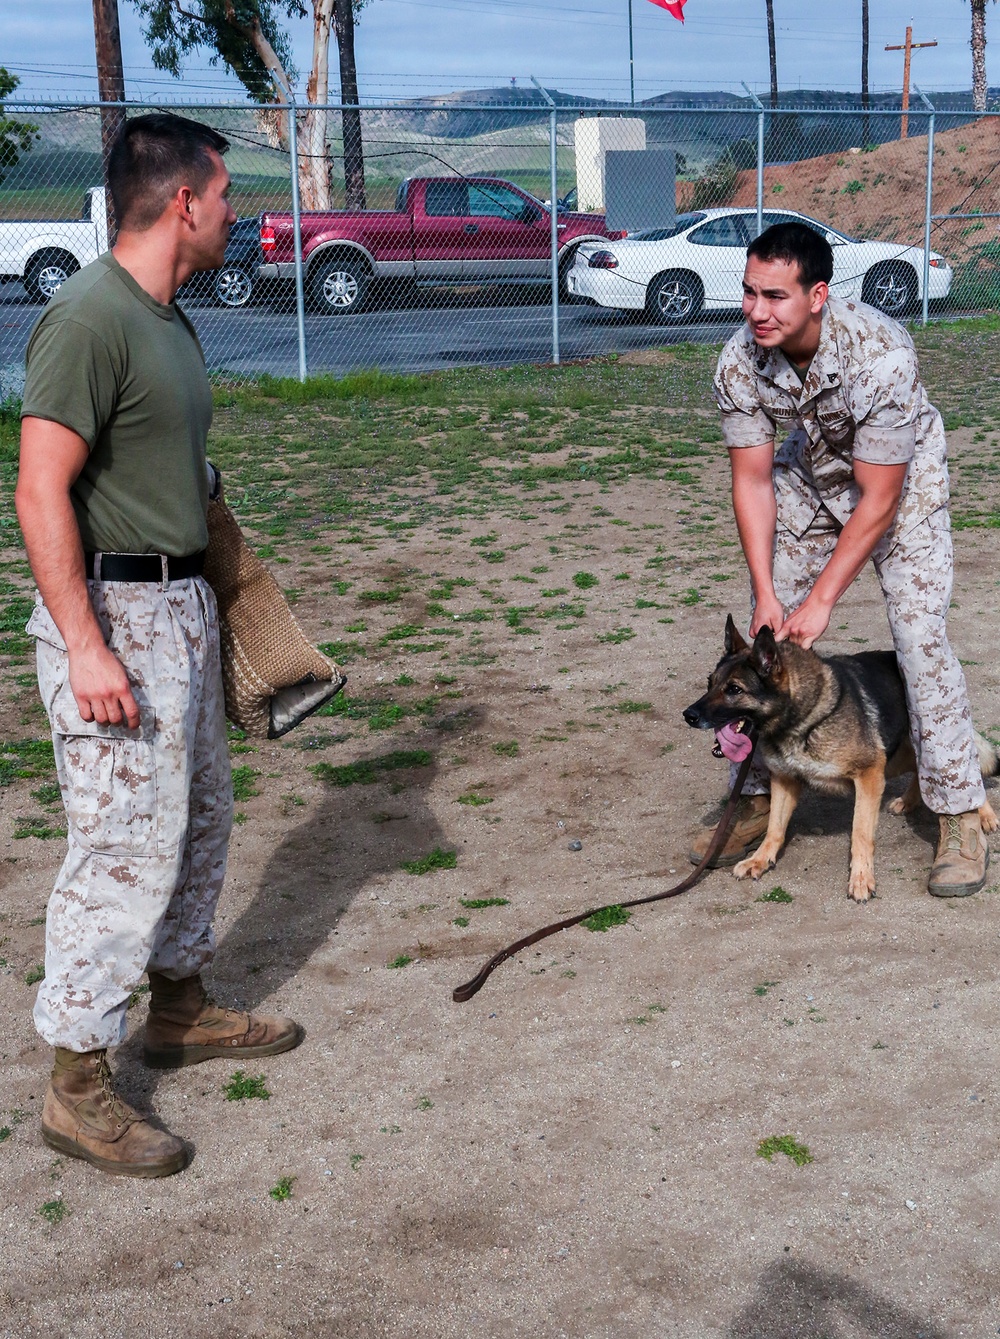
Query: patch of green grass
[[478, 903], [584, 580], [436, 859], [508, 748], [627, 708], [36, 827], [368, 771], [244, 1087], [243, 783], [461, 921], [5, 1133], [764, 987], [401, 961], [604, 920], [474, 799], [424, 1104], [48, 793], [34, 974], [616, 637], [776, 894], [283, 1190], [356, 1159], [25, 758], [784, 1143], [54, 1211]]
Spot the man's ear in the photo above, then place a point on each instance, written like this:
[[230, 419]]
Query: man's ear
[[818, 296], [734, 642], [765, 652]]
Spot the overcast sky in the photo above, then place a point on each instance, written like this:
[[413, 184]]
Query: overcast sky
[[412, 47]]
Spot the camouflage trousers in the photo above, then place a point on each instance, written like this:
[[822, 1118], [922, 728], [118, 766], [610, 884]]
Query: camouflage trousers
[[148, 811], [916, 578]]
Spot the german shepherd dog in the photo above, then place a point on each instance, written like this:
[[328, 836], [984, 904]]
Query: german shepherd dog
[[833, 722]]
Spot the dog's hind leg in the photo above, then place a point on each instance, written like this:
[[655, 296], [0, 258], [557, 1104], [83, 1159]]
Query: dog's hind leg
[[868, 788], [988, 817], [785, 793], [909, 800]]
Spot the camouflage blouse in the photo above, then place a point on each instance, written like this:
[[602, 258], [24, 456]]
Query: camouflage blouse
[[861, 399]]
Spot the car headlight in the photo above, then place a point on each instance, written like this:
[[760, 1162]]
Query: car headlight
[[603, 260]]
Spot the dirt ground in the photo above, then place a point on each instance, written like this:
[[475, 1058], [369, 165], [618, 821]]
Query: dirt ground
[[575, 1151]]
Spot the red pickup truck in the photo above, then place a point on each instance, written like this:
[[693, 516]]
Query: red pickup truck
[[443, 230]]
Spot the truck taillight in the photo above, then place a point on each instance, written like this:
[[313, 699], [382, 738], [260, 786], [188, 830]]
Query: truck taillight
[[603, 260], [267, 238]]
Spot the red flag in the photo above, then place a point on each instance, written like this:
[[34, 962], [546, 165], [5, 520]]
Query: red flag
[[675, 7]]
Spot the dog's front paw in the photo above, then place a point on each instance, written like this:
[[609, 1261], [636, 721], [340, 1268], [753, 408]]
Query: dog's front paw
[[753, 867], [862, 884]]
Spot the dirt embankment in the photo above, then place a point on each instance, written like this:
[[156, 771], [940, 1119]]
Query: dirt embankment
[[880, 192]]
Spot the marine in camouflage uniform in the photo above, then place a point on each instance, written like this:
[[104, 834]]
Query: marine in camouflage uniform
[[845, 461], [112, 498], [862, 398]]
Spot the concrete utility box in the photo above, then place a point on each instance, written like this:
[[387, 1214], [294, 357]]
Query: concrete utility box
[[640, 186], [594, 136]]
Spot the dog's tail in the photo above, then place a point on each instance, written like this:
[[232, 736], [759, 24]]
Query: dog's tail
[[989, 758]]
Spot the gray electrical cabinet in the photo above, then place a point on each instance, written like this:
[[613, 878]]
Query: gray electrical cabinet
[[640, 189]]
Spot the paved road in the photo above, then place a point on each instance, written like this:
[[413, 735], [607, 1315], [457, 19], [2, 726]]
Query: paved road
[[437, 330]]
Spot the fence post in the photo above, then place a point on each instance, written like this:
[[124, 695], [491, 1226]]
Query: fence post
[[300, 297], [928, 206], [760, 159], [553, 219]]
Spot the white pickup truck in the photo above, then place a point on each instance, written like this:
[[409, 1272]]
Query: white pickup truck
[[42, 253]]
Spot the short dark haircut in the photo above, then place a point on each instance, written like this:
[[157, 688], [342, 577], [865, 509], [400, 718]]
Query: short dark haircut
[[152, 158], [796, 244]]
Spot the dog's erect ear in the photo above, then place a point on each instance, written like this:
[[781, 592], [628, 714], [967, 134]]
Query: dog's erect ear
[[734, 642], [765, 652]]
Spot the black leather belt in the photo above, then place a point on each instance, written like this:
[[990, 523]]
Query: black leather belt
[[143, 566]]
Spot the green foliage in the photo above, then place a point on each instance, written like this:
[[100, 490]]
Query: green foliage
[[478, 903], [401, 961], [243, 783], [366, 772], [25, 758], [777, 894], [509, 748], [784, 1143], [283, 1190], [617, 637], [39, 828], [718, 185], [436, 859], [34, 975], [628, 708], [243, 1087], [15, 136], [54, 1211], [475, 800], [584, 580], [602, 921]]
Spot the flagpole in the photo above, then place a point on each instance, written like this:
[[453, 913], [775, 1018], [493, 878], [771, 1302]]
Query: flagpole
[[631, 62]]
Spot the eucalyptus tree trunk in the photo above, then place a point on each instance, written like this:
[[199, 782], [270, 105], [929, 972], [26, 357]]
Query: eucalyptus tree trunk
[[354, 154], [772, 52], [866, 125], [979, 55], [314, 156]]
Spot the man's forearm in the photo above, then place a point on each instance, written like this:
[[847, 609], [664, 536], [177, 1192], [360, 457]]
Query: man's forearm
[[756, 516], [55, 552]]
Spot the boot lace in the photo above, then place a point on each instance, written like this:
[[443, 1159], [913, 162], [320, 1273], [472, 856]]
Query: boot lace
[[118, 1109], [954, 840]]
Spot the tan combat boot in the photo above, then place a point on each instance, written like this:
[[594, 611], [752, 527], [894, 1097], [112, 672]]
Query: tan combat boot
[[746, 832], [962, 858], [186, 1027], [84, 1117]]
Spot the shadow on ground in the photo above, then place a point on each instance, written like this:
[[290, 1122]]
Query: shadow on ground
[[796, 1300]]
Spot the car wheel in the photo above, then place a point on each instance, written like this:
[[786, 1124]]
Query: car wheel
[[339, 286], [233, 286], [675, 296], [47, 272], [890, 288]]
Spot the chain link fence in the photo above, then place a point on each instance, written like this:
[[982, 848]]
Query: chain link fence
[[423, 234]]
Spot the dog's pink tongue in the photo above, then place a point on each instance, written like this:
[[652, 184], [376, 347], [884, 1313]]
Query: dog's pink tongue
[[734, 745]]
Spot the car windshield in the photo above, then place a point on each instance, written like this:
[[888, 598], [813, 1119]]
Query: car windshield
[[681, 222]]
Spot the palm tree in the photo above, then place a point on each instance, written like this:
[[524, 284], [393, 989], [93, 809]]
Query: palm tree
[[773, 55], [978, 55]]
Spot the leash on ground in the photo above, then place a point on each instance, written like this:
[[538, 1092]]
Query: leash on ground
[[462, 993]]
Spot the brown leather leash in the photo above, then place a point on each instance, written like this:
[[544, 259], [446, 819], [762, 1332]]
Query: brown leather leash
[[462, 993]]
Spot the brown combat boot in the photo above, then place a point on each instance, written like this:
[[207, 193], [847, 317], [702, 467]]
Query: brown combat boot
[[186, 1027], [746, 832], [84, 1117], [962, 858]]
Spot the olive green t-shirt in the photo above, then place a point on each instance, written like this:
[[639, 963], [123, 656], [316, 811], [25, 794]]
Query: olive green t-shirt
[[128, 375]]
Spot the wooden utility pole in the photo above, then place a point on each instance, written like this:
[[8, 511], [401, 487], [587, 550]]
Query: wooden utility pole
[[110, 87], [908, 46]]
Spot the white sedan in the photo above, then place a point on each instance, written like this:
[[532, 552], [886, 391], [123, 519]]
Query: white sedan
[[697, 265]]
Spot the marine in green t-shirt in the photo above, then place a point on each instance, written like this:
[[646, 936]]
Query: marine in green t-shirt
[[128, 375]]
